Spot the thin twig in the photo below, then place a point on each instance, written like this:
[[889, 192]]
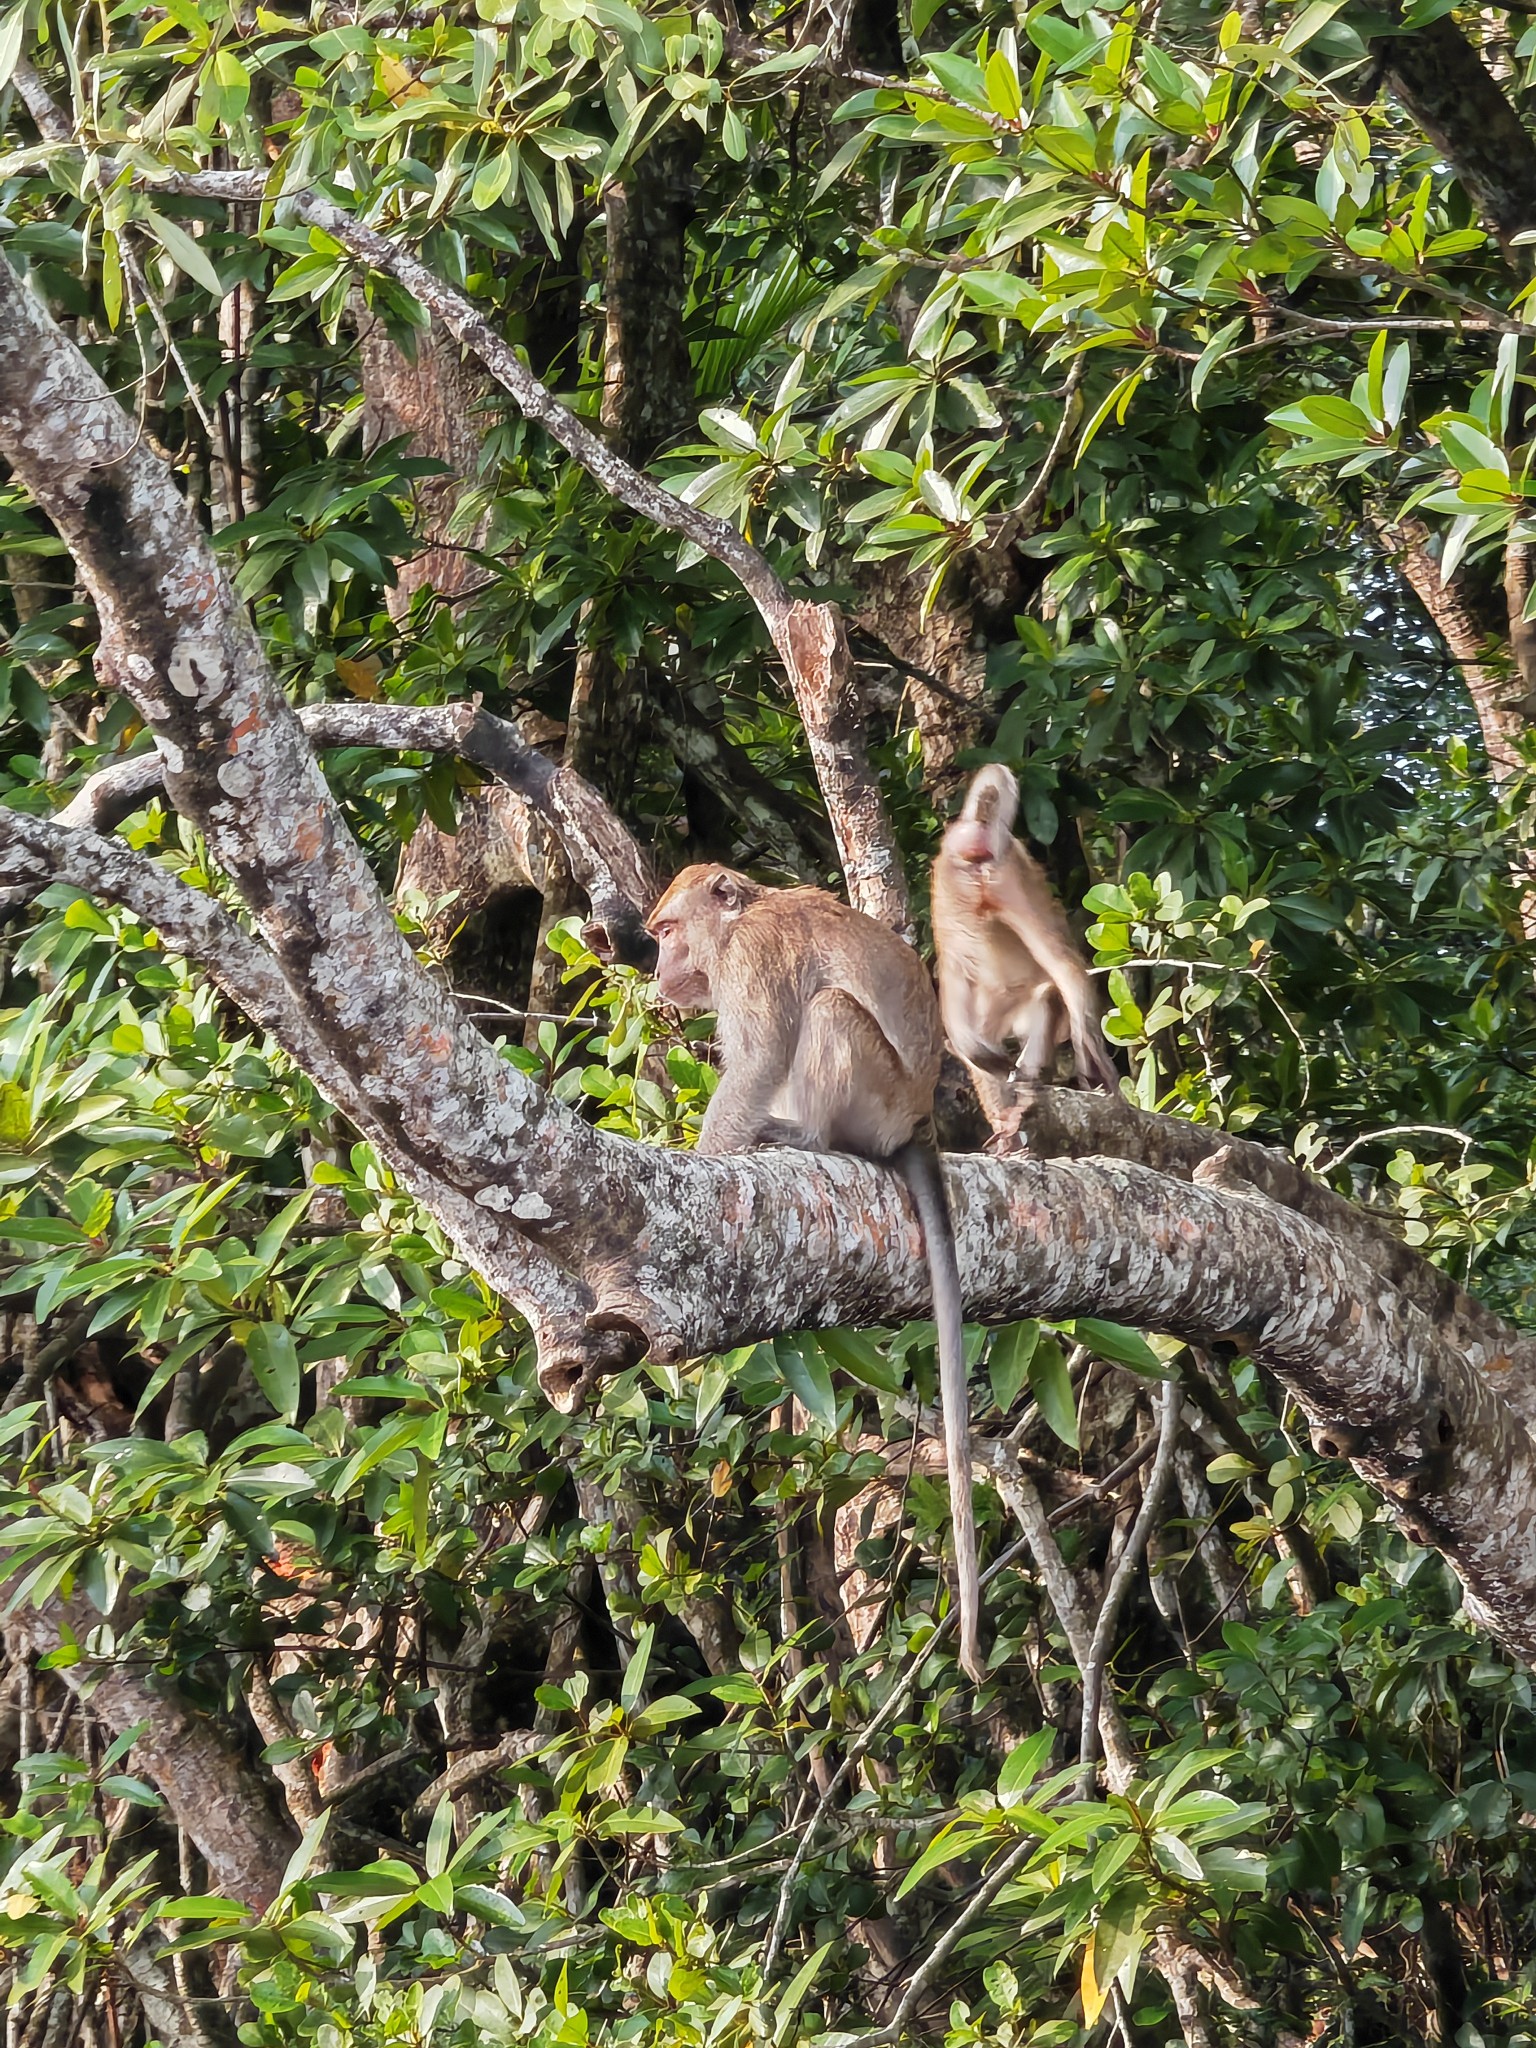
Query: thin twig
[[133, 270], [939, 1954], [1023, 514], [1403, 1131], [897, 1698], [1120, 1579], [1107, 1484]]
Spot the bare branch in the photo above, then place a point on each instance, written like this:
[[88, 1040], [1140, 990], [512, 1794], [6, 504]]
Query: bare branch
[[475, 1764], [944, 1947], [1126, 1566], [613, 871]]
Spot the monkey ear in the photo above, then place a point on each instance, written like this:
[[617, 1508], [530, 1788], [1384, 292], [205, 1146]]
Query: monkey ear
[[727, 890]]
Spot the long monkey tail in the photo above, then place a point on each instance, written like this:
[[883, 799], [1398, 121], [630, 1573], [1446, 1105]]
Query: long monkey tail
[[918, 1164]]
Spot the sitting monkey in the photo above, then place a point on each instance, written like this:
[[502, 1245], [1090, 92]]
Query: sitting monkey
[[829, 1040]]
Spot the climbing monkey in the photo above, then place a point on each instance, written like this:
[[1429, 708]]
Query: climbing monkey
[[829, 1040], [1009, 967]]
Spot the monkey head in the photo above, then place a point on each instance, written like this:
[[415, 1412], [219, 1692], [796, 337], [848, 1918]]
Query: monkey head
[[983, 829], [690, 923]]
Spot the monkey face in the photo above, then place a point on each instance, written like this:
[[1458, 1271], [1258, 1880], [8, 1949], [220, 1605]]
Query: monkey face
[[982, 830], [689, 925], [973, 840], [679, 978]]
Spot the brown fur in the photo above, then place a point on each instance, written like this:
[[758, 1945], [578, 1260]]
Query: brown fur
[[830, 1040], [1009, 967]]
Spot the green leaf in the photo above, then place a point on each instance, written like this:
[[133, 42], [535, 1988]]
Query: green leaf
[[1117, 1934], [1008, 1361], [1023, 1765], [1051, 1384], [805, 1374], [857, 1354], [227, 88], [1469, 447], [13, 30], [15, 1117], [1064, 45], [842, 162], [1118, 402], [1164, 75], [640, 1820], [275, 1362], [302, 1859], [997, 291], [1313, 17], [959, 77], [1212, 354], [1002, 85], [1120, 1346], [957, 1838], [794, 1995], [492, 179], [663, 1713], [440, 1837], [494, 1908], [632, 1691], [184, 252]]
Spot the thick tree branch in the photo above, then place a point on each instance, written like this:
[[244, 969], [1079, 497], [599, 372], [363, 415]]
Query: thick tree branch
[[1065, 1123], [610, 1247], [1495, 698], [1380, 1383], [1450, 93], [672, 1251], [613, 871]]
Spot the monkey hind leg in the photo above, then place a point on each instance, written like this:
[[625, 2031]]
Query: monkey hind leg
[[1095, 1068], [847, 1088], [1039, 1026]]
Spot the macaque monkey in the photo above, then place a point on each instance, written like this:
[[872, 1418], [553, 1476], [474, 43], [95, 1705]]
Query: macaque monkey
[[1009, 967], [829, 1040]]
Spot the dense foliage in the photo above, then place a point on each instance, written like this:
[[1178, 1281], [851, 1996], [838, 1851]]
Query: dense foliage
[[1113, 344]]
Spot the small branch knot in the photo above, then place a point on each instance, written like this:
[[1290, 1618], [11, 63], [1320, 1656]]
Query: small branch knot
[[1338, 1439]]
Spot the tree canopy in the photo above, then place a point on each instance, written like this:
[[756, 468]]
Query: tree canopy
[[476, 1573]]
